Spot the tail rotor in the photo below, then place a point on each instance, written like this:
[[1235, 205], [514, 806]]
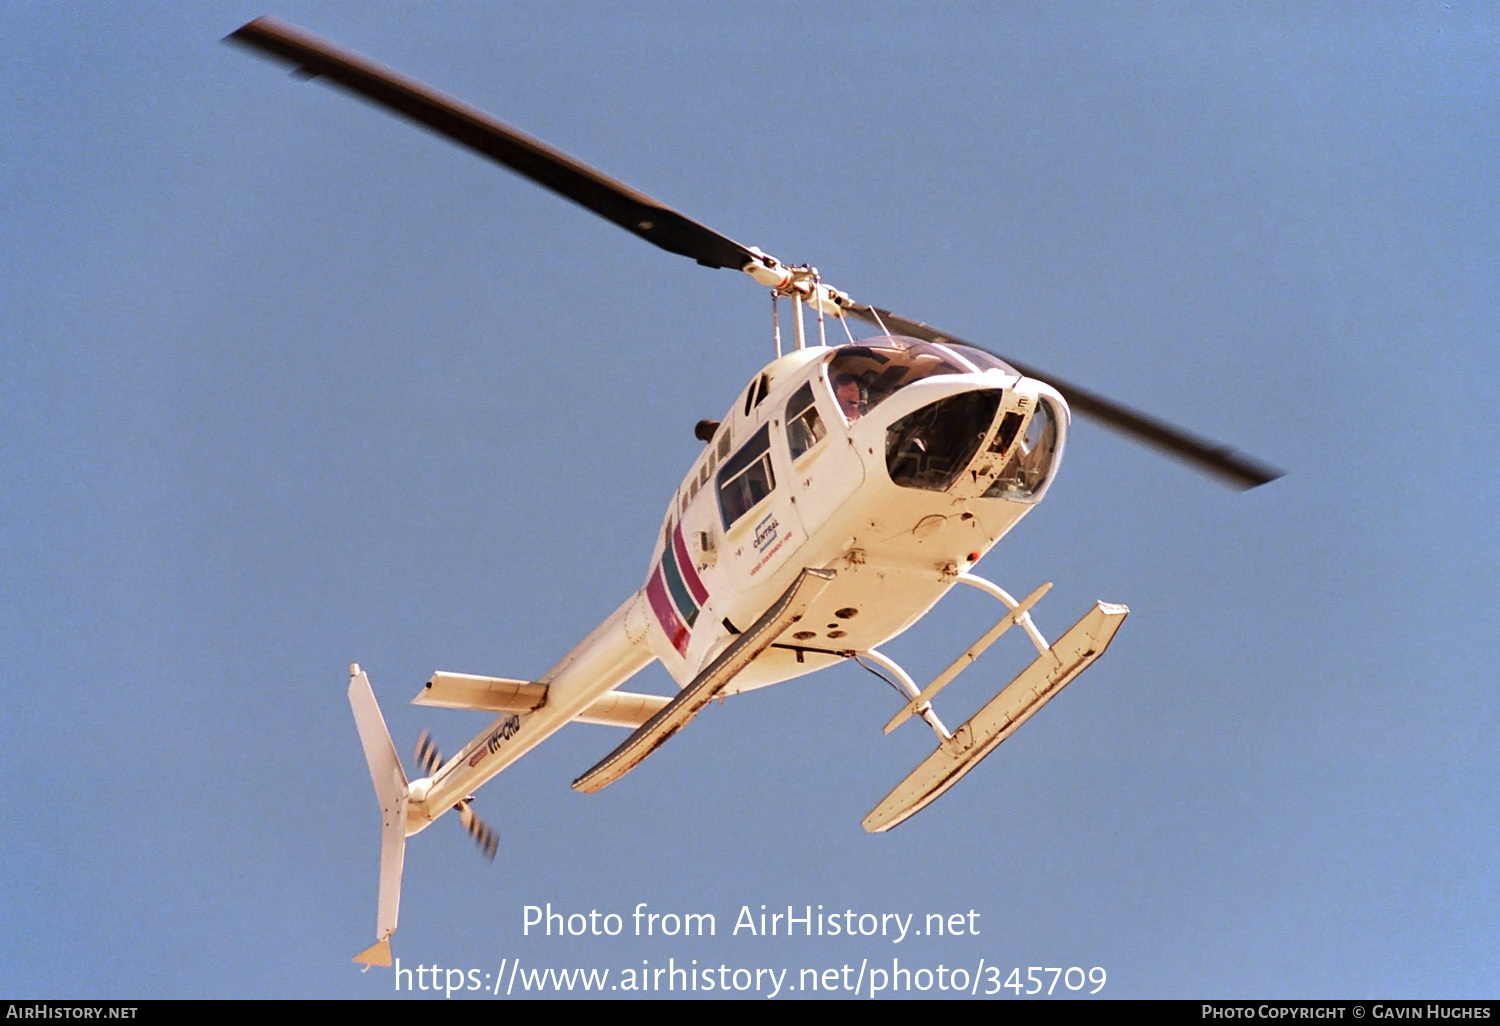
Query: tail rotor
[[485, 836]]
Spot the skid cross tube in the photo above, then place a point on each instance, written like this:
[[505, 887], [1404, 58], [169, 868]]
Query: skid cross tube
[[917, 704], [963, 662], [991, 588]]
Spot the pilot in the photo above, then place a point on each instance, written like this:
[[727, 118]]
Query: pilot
[[850, 394]]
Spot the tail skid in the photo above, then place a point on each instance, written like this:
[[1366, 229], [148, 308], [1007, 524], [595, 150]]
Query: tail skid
[[391, 792]]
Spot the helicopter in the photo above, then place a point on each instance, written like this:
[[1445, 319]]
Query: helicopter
[[848, 489]]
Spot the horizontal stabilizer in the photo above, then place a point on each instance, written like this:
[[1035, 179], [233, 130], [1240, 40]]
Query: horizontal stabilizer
[[485, 694], [679, 711], [623, 709], [503, 695], [1069, 656]]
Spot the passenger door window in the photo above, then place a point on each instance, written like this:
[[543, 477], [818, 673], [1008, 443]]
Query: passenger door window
[[804, 428], [746, 477]]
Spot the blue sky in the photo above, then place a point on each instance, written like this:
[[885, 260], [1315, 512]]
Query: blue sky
[[286, 383]]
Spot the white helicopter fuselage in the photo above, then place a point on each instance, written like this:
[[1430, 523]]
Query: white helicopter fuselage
[[897, 549], [822, 492]]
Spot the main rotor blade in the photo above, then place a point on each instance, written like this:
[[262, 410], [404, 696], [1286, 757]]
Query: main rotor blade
[[634, 211], [1234, 469], [664, 227]]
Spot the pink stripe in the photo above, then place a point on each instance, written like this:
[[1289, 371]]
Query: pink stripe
[[656, 594], [685, 566]]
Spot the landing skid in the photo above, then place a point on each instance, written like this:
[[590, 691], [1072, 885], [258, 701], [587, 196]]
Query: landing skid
[[786, 611], [960, 751]]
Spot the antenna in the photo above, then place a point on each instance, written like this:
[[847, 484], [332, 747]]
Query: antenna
[[776, 321], [822, 338]]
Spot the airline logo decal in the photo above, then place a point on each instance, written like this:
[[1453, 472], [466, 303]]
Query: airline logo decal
[[765, 532], [769, 540]]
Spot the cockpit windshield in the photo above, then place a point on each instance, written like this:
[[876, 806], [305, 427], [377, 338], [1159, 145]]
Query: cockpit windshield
[[867, 373]]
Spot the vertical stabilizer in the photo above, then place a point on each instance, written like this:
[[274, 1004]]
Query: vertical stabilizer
[[390, 791]]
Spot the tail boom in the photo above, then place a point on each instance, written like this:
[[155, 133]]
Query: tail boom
[[613, 653]]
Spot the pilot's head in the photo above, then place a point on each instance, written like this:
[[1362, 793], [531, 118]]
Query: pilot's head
[[850, 394]]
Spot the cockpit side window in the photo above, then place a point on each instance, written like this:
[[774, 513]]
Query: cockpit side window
[[804, 428], [746, 477], [1031, 461], [866, 374]]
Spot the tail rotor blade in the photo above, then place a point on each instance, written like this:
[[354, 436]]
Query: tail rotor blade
[[428, 756], [431, 760], [484, 835]]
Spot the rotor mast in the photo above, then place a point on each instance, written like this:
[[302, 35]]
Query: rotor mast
[[803, 285]]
